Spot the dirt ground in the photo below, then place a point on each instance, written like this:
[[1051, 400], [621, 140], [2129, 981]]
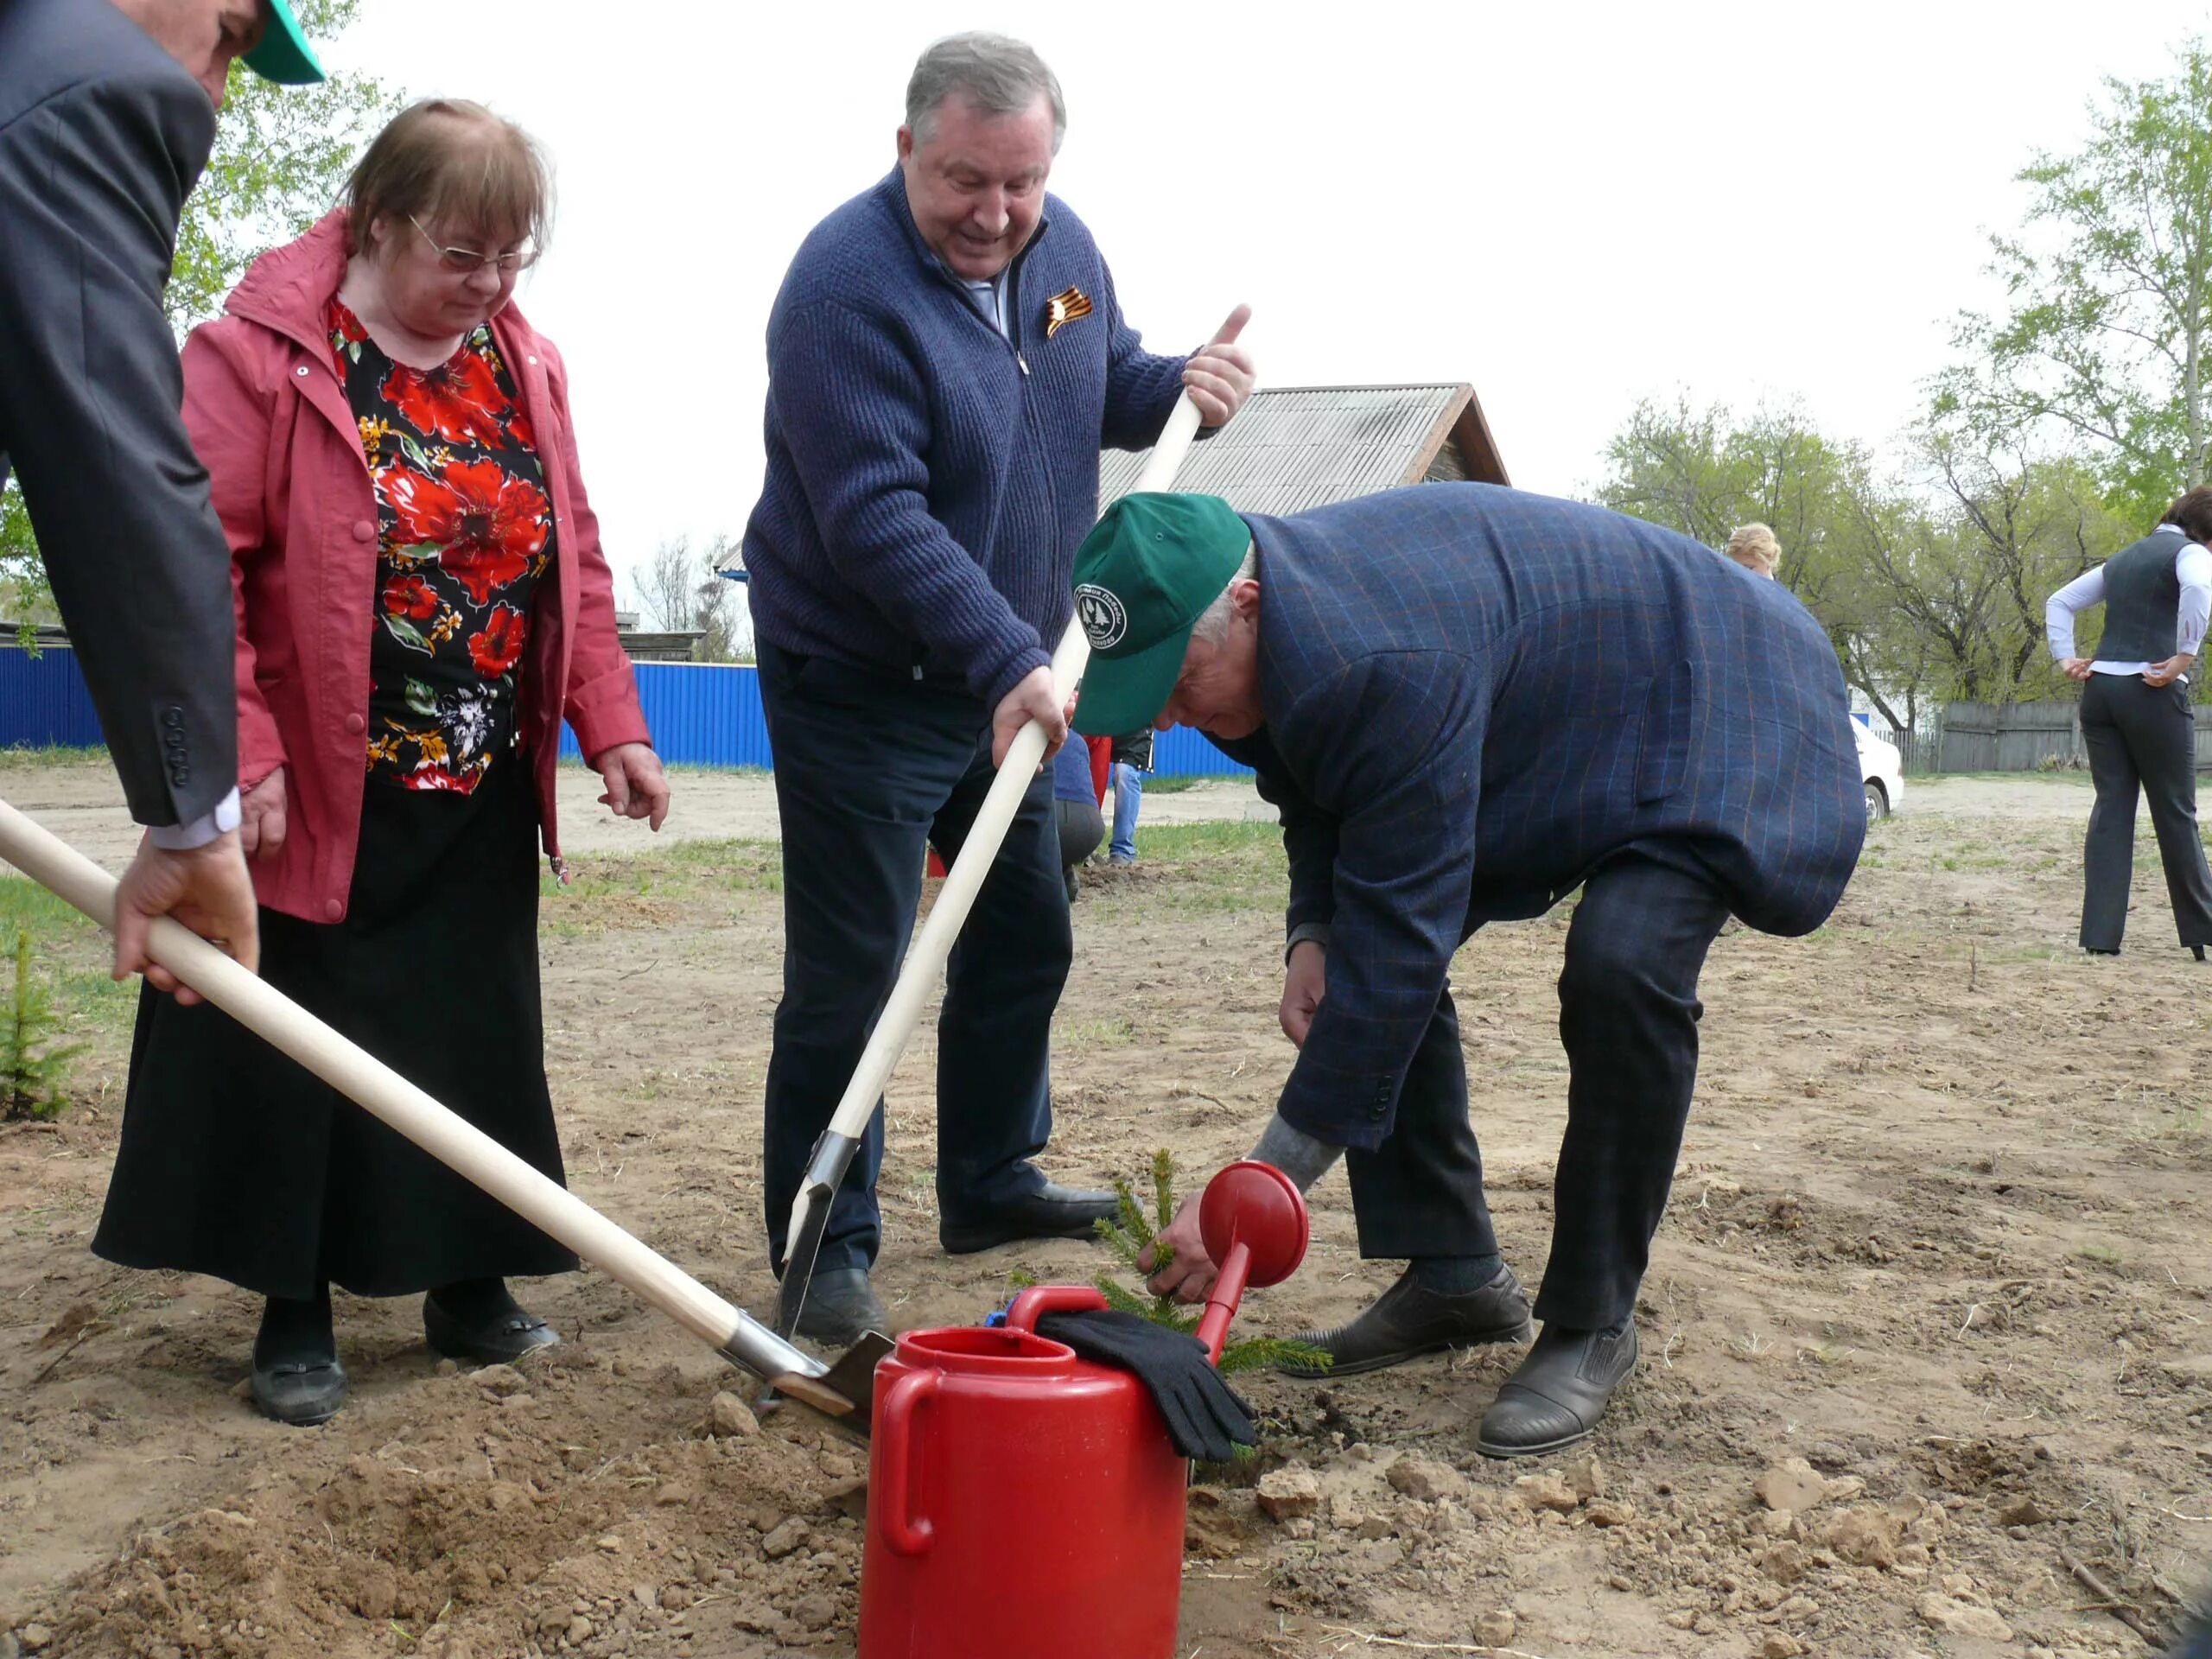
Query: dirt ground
[[1929, 1314]]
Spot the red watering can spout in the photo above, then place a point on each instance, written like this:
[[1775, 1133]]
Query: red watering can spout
[[1254, 1223]]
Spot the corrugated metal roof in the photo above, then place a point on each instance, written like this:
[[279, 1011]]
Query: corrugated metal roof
[[1298, 447]]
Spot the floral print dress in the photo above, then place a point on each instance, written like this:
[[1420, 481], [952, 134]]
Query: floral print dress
[[464, 532]]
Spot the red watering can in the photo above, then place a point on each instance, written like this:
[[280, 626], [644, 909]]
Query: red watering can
[[1027, 1504]]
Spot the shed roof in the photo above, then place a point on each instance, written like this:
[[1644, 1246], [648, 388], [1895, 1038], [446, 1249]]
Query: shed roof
[[1292, 447]]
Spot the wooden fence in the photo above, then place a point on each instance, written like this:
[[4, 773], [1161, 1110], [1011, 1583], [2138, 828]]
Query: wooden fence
[[2029, 736]]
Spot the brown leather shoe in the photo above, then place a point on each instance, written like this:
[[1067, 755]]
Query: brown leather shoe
[[1407, 1321]]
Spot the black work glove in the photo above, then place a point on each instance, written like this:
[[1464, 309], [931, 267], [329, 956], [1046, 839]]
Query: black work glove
[[1205, 1419]]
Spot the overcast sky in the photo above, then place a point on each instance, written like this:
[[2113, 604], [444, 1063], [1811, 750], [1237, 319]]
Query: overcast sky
[[1572, 206]]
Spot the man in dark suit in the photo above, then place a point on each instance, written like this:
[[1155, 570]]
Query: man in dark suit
[[107, 115], [1468, 702]]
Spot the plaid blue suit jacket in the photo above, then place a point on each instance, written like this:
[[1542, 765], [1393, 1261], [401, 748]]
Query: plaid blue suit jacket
[[1474, 696]]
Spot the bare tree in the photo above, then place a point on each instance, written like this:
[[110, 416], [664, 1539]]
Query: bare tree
[[680, 591], [719, 606], [665, 586]]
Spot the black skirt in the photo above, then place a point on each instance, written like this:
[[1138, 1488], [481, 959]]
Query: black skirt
[[237, 1161]]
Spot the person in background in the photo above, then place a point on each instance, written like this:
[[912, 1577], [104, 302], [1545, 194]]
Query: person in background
[[2136, 720], [1132, 759], [1753, 547], [422, 600], [108, 117], [946, 357], [1075, 806]]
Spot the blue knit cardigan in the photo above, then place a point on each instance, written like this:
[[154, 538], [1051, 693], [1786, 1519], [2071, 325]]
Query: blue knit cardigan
[[928, 478]]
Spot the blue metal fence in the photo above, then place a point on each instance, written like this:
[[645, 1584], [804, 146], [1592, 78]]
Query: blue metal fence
[[700, 714], [43, 701]]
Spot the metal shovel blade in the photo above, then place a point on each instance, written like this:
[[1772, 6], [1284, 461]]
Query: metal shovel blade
[[832, 1157], [844, 1392]]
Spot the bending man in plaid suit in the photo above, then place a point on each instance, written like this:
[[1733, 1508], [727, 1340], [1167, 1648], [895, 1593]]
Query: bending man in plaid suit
[[1468, 702]]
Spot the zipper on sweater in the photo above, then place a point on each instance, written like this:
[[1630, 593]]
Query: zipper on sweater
[[1011, 336], [1013, 306]]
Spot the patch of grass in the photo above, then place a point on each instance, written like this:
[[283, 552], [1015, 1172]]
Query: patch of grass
[[50, 754], [53, 754], [71, 955], [681, 870], [1112, 1032], [1218, 837], [2103, 1254], [1187, 869]]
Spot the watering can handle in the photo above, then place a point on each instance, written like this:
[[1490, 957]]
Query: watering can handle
[[1034, 1303], [894, 1433]]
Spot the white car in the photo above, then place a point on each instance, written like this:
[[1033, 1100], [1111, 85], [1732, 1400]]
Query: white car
[[1883, 770]]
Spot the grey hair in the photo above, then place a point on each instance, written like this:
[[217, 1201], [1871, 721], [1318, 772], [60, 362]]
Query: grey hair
[[996, 73], [1212, 624]]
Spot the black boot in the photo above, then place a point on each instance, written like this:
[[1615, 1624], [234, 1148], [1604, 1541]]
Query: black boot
[[1051, 1211], [1407, 1321], [1560, 1392], [476, 1318], [296, 1375], [841, 1307]]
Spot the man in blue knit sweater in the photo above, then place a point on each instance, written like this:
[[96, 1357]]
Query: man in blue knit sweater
[[945, 360]]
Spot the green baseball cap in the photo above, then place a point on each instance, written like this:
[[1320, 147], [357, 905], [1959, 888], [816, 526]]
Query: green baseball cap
[[1144, 574], [284, 55]]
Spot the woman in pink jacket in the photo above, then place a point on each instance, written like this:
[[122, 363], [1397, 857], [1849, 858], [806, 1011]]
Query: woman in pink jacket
[[421, 600]]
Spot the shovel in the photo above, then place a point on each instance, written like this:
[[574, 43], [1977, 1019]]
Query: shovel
[[843, 1391], [833, 1152]]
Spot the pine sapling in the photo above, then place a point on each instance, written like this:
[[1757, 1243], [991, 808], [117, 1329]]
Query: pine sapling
[[31, 1069], [1132, 1234]]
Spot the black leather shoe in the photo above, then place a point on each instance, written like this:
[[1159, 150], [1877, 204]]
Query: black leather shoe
[[1406, 1321], [301, 1391], [296, 1375], [841, 1307], [1560, 1392], [1051, 1212], [501, 1338]]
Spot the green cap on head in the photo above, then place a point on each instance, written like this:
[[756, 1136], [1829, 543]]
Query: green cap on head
[[284, 55], [1144, 574]]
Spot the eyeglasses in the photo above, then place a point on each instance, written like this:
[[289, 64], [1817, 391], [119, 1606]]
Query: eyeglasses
[[467, 261]]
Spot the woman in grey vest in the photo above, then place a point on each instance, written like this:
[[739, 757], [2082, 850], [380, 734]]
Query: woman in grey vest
[[2136, 719]]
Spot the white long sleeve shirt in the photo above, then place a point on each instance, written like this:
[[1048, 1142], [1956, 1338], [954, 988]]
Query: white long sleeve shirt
[[2192, 569]]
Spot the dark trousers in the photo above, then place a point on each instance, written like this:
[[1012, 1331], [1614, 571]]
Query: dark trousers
[[2141, 738], [1628, 1019], [870, 771], [1081, 826]]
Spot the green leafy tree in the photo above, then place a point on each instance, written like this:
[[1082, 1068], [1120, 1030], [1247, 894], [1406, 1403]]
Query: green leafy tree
[[2108, 287], [1703, 472], [281, 157]]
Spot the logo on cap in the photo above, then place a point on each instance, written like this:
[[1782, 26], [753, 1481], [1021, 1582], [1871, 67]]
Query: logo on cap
[[1103, 620]]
